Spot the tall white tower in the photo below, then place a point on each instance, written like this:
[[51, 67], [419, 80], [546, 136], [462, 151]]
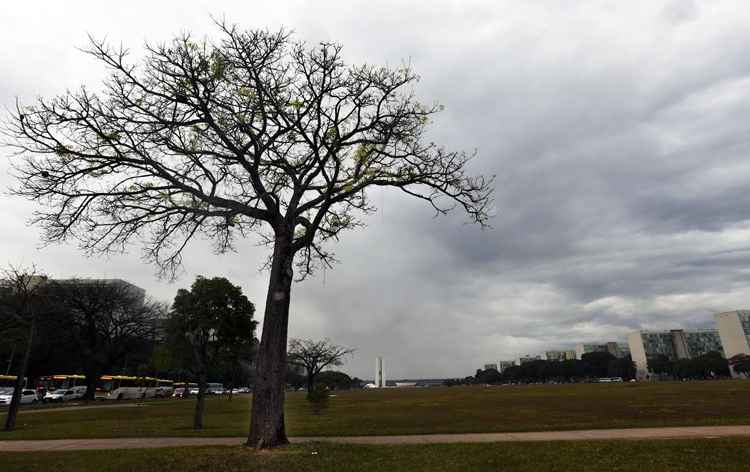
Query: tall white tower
[[379, 372]]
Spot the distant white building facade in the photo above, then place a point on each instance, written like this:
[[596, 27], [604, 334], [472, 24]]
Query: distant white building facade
[[559, 356], [528, 358], [380, 381], [734, 331], [673, 344]]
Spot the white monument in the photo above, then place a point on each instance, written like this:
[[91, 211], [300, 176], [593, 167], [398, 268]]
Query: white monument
[[379, 373]]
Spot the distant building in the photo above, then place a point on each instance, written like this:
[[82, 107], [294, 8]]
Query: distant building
[[559, 356], [490, 366], [734, 331], [673, 344], [618, 350], [380, 381], [527, 359], [583, 348], [503, 365]]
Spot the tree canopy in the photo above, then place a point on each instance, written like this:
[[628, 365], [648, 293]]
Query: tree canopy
[[222, 138], [105, 321]]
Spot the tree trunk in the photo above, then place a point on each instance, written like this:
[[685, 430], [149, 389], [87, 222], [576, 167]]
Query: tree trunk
[[10, 420], [267, 420], [10, 361], [92, 376], [200, 402], [310, 382], [92, 346]]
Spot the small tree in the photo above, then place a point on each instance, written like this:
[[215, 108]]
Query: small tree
[[254, 133], [622, 367], [211, 317], [21, 297], [597, 363], [661, 365], [314, 356], [487, 376], [334, 380]]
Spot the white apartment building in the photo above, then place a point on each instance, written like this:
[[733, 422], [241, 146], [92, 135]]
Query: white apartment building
[[673, 344], [734, 330]]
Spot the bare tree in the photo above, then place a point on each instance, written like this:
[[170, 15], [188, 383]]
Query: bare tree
[[252, 133], [105, 319], [21, 296], [314, 356]]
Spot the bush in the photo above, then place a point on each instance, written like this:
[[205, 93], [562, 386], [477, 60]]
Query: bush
[[318, 398]]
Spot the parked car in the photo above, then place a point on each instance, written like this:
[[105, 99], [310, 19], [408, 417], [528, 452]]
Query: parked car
[[180, 392], [164, 392], [79, 391], [60, 395], [194, 391], [27, 397]]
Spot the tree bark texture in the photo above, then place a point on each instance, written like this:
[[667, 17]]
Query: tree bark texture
[[200, 402], [310, 381], [92, 377], [267, 421]]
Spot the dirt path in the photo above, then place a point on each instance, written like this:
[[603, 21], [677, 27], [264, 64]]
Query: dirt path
[[584, 435]]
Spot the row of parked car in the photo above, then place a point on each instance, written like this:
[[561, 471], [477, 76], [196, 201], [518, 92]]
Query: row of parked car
[[182, 392], [29, 396]]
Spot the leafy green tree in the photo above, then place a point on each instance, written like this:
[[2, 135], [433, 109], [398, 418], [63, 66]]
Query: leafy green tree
[[661, 365], [334, 380], [487, 376], [713, 364], [706, 366], [621, 367], [597, 363], [254, 133], [212, 318]]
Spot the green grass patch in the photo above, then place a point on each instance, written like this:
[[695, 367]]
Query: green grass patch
[[420, 411], [715, 455]]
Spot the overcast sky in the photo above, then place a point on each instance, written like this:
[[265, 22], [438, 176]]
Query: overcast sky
[[619, 133]]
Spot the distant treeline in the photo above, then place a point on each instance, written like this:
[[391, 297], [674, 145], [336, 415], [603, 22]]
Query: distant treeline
[[597, 365]]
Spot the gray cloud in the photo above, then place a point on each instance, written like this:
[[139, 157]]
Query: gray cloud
[[618, 134]]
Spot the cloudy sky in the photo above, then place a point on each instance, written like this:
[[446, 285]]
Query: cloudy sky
[[619, 133]]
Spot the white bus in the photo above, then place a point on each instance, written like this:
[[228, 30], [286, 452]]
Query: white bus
[[123, 387], [164, 388], [214, 388]]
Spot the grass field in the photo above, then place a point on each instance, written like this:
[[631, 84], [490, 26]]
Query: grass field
[[715, 455], [420, 411]]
